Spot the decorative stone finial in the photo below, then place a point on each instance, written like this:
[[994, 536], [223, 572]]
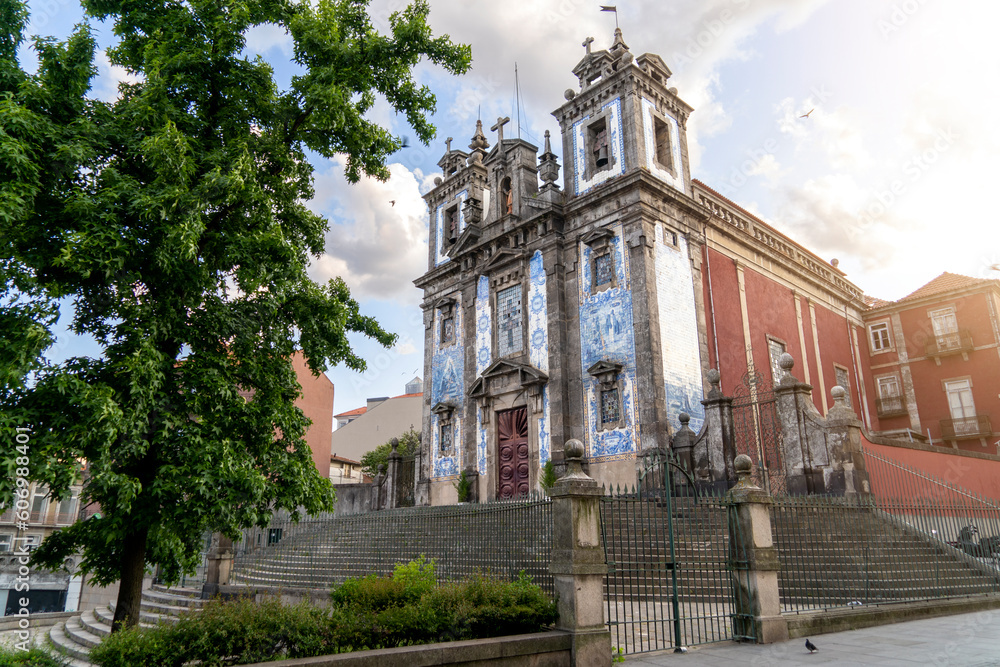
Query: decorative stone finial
[[744, 468], [786, 362], [684, 418], [619, 44], [714, 377], [548, 166], [479, 141], [573, 452], [839, 395], [569, 94]]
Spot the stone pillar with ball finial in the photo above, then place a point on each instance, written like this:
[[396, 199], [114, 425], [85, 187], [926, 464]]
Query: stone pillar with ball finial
[[753, 561], [578, 566]]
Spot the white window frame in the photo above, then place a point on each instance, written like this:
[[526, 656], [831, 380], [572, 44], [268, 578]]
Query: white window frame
[[878, 326], [6, 542], [956, 387], [880, 382]]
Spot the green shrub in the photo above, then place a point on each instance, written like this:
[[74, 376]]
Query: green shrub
[[407, 607], [223, 633], [35, 657], [549, 478]]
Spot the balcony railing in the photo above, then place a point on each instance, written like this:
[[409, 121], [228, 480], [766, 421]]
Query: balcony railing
[[890, 406], [966, 427], [949, 343]]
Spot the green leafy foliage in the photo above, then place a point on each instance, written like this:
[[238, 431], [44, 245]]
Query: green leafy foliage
[[549, 478], [174, 221], [464, 488], [34, 657], [409, 443], [232, 633], [405, 608]]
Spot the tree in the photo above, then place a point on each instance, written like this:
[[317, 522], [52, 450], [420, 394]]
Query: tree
[[409, 443], [174, 219]]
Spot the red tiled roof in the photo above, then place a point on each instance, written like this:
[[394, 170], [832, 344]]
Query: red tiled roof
[[947, 282], [875, 302], [409, 395], [353, 413]]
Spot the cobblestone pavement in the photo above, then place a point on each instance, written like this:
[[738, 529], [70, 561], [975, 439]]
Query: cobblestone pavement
[[969, 640]]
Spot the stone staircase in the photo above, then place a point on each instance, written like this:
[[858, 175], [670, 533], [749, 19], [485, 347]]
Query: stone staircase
[[501, 538], [73, 639], [860, 555]]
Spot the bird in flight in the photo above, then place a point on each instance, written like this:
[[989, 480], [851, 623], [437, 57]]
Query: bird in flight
[[811, 647], [806, 114], [392, 201]]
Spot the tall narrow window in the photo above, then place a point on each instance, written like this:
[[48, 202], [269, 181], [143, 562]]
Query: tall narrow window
[[5, 542], [67, 510], [450, 228], [507, 196], [599, 145], [775, 349], [39, 504], [509, 328], [844, 380], [446, 438], [879, 334], [664, 153]]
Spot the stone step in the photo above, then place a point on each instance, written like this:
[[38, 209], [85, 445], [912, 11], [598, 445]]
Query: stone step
[[80, 634], [151, 617], [95, 624], [171, 598], [67, 646]]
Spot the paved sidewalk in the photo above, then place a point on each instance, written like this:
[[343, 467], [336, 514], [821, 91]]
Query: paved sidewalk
[[971, 640]]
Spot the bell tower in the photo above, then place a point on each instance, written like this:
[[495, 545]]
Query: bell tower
[[624, 117]]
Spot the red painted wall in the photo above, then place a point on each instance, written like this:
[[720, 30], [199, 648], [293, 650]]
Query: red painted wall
[[725, 298], [317, 404], [981, 476]]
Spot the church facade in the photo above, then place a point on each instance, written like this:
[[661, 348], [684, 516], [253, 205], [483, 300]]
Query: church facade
[[592, 309]]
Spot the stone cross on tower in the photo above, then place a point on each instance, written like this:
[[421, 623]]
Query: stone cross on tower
[[587, 42], [447, 142], [498, 128]]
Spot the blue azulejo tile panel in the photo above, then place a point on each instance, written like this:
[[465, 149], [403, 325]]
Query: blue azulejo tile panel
[[649, 139], [484, 326], [448, 386], [446, 464], [480, 443], [544, 440], [438, 240], [679, 342], [616, 145], [538, 320], [607, 333]]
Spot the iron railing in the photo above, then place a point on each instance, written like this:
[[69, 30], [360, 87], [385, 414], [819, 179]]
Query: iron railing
[[914, 537], [966, 427], [954, 342], [671, 564], [500, 539], [890, 406]]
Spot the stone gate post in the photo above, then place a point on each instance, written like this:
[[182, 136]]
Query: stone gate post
[[218, 567], [753, 560], [578, 565]]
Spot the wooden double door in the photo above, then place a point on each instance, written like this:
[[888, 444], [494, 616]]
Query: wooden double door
[[512, 453]]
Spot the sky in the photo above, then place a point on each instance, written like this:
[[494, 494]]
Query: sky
[[889, 173]]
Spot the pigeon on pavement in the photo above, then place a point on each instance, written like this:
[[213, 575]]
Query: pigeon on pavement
[[811, 647]]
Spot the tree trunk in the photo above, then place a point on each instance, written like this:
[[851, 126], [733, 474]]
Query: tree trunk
[[130, 586]]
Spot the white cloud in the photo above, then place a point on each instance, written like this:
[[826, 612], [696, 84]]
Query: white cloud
[[266, 36], [405, 347], [105, 84], [376, 246]]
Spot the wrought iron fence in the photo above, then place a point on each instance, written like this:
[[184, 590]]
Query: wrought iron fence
[[914, 537], [670, 564], [500, 538]]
